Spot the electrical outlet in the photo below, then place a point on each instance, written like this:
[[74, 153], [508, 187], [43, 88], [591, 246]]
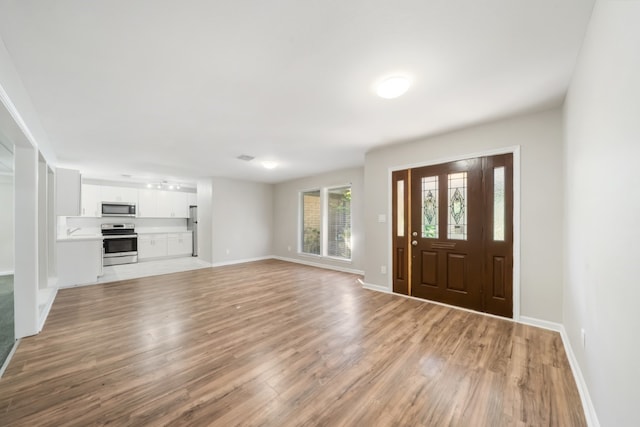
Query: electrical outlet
[[382, 218], [289, 248], [383, 269], [228, 251], [583, 333]]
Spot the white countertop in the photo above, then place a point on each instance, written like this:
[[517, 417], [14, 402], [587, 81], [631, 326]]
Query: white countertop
[[148, 231], [98, 236], [79, 237]]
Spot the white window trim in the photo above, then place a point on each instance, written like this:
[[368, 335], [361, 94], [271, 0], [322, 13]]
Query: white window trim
[[324, 223]]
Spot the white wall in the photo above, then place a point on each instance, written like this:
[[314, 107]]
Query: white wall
[[286, 216], [540, 138], [242, 218], [602, 280], [205, 219], [16, 98], [6, 224]]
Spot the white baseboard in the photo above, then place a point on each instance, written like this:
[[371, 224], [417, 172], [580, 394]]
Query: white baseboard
[[544, 324], [585, 397], [8, 359], [240, 261], [372, 287], [319, 265], [47, 309]]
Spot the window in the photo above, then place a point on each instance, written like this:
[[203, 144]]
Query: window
[[339, 222], [326, 222], [311, 222]]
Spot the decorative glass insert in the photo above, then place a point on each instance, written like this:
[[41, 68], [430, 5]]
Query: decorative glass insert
[[457, 225], [498, 203], [400, 207], [430, 207]]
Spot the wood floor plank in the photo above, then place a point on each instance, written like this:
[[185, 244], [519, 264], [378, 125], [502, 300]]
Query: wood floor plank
[[272, 343]]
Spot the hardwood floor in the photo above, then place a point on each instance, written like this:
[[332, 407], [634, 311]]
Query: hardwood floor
[[278, 344]]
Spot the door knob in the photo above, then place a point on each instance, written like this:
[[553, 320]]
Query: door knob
[[414, 243], [414, 234]]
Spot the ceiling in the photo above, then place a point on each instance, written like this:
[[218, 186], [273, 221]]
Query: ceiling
[[179, 89]]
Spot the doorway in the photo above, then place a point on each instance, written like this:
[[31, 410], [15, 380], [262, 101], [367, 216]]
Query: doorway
[[453, 233]]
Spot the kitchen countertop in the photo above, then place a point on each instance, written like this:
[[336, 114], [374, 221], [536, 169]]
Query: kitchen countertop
[[79, 237], [162, 231]]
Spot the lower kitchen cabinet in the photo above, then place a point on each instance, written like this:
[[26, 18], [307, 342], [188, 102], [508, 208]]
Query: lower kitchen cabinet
[[179, 243], [79, 261], [159, 245], [152, 245]]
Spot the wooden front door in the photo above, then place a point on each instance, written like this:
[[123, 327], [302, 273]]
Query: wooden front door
[[458, 233]]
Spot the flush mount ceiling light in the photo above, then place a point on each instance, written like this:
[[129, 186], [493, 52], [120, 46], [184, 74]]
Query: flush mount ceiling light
[[392, 87], [269, 165]]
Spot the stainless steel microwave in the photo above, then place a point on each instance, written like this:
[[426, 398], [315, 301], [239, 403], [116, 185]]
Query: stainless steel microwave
[[118, 209]]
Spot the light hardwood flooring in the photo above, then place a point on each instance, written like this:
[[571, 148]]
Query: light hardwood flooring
[[278, 344]]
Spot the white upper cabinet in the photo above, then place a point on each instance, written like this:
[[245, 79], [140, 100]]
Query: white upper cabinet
[[162, 204], [147, 203], [119, 194], [150, 203], [90, 200], [172, 204], [67, 192]]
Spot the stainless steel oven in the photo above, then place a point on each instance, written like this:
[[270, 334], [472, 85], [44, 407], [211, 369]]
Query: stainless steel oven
[[120, 244]]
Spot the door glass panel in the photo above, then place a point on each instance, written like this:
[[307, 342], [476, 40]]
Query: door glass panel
[[430, 207], [7, 318], [498, 203], [457, 226], [400, 207]]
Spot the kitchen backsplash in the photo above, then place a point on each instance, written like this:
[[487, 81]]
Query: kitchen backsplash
[[142, 225]]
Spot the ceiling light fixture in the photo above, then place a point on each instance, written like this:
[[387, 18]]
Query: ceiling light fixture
[[269, 164], [393, 87]]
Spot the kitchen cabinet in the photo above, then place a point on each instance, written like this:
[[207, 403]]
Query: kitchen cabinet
[[79, 261], [172, 204], [118, 194], [158, 245], [150, 203], [179, 244], [90, 200], [162, 204], [67, 192], [152, 245], [147, 203]]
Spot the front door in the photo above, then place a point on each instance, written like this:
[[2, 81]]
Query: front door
[[459, 227]]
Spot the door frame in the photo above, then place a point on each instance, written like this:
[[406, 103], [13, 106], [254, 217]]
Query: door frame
[[515, 150]]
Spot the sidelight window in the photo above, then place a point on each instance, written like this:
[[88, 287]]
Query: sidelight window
[[498, 203], [400, 208]]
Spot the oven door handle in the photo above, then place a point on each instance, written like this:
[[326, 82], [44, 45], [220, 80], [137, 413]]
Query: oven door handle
[[117, 254]]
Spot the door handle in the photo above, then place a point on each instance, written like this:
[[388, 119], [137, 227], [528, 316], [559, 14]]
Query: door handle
[[414, 234], [414, 242]]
